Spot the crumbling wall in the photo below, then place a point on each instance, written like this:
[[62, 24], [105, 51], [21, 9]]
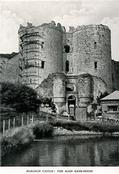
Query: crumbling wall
[[45, 89], [90, 87], [99, 87], [85, 89], [59, 89]]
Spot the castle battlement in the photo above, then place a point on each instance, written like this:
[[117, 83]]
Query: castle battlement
[[30, 27], [75, 66], [91, 26]]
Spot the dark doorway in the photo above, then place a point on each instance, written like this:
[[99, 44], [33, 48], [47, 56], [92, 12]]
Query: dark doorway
[[72, 105], [67, 66], [66, 48]]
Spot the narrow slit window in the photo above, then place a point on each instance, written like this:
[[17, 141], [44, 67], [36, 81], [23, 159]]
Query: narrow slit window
[[95, 45], [67, 48], [42, 64], [42, 43], [95, 65], [67, 66]]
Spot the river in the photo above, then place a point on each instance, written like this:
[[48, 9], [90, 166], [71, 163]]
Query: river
[[67, 151]]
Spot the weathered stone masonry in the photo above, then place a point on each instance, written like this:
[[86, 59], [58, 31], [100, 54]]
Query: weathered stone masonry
[[76, 65]]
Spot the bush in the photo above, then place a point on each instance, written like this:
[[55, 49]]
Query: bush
[[41, 130], [16, 140], [89, 126]]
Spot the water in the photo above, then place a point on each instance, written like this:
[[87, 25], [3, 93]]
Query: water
[[67, 151]]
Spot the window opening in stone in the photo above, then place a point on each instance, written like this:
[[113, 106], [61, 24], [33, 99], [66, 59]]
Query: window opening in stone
[[67, 48], [95, 65], [95, 45], [42, 64], [67, 66], [42, 44]]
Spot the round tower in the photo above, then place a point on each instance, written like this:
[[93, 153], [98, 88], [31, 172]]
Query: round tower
[[59, 89], [92, 52], [41, 52]]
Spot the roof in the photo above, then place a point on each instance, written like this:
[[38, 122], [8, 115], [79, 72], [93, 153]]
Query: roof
[[113, 96]]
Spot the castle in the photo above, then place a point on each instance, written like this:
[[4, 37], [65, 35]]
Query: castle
[[76, 65]]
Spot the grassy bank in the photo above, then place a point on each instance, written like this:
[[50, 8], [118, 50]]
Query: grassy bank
[[18, 138], [103, 127]]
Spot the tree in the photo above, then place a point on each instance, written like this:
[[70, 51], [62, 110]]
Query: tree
[[20, 97], [102, 95]]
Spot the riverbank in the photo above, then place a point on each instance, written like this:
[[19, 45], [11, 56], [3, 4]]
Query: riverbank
[[19, 138], [95, 126]]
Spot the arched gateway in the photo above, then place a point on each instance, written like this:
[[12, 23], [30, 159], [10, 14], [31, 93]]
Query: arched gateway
[[72, 105]]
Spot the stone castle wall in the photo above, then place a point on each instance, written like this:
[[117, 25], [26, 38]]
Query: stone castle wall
[[48, 49], [115, 75], [41, 52], [91, 52]]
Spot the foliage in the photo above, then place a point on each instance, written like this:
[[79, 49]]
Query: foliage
[[49, 102], [16, 140], [89, 126], [102, 95], [20, 97], [41, 130]]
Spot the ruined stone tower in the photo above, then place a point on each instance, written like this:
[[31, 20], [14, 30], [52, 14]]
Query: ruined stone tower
[[48, 48], [90, 52], [80, 61], [41, 52]]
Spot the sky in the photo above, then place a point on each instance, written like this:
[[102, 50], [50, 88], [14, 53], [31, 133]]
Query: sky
[[67, 12]]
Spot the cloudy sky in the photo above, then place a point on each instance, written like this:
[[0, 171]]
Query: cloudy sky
[[67, 12]]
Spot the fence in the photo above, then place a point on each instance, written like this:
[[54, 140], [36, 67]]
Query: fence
[[14, 120], [8, 123], [108, 120]]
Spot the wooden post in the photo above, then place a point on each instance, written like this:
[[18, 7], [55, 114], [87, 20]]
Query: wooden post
[[32, 118], [68, 117], [13, 122], [27, 119], [9, 124], [3, 128], [22, 120], [95, 114]]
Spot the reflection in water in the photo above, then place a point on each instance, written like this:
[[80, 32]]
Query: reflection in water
[[67, 151]]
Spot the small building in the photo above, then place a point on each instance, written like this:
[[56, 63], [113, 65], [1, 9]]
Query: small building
[[110, 105]]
